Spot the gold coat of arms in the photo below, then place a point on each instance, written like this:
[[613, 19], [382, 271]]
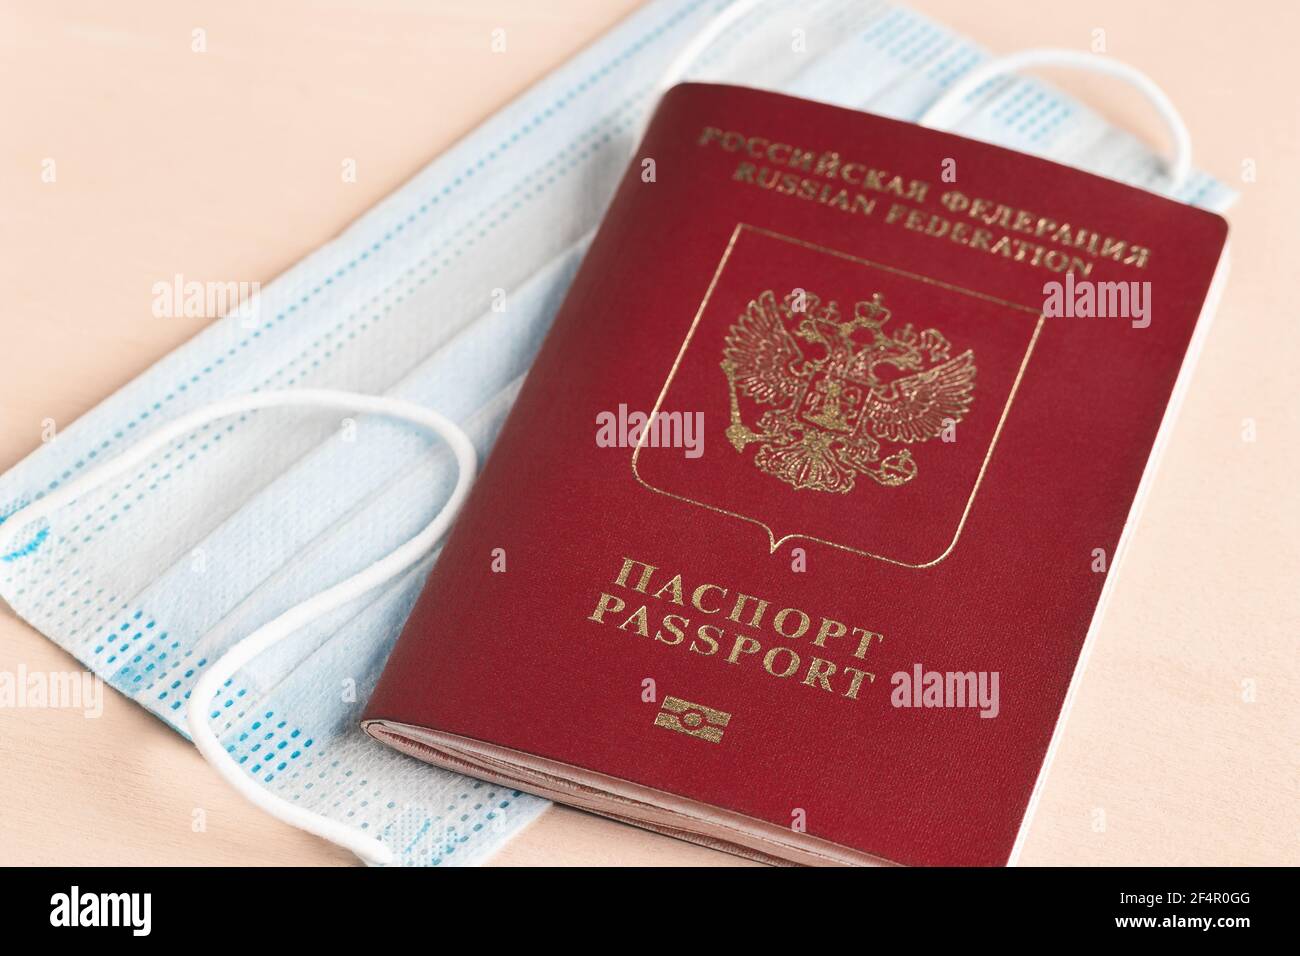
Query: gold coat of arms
[[849, 407]]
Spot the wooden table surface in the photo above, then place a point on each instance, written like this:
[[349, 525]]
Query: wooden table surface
[[1183, 738]]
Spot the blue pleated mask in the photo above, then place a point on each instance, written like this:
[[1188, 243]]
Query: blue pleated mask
[[440, 296]]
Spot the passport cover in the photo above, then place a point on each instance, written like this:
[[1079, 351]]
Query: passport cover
[[824, 598]]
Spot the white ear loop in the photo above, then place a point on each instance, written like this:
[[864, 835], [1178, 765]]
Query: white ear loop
[[943, 111], [721, 22], [404, 556], [391, 565]]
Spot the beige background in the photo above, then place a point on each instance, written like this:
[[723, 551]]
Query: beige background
[[227, 165]]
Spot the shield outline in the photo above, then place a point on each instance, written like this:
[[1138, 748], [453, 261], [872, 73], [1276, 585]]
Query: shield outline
[[775, 542]]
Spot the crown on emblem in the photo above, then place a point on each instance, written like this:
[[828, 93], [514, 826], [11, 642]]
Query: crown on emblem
[[871, 314], [829, 414], [812, 310], [810, 307]]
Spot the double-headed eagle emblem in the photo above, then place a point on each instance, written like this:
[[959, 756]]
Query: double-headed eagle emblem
[[830, 412]]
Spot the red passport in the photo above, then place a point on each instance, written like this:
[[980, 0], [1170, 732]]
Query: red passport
[[794, 538]]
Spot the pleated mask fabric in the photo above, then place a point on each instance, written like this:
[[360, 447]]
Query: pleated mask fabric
[[440, 295]]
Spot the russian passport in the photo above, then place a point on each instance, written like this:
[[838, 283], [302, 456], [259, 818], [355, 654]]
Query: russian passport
[[795, 538]]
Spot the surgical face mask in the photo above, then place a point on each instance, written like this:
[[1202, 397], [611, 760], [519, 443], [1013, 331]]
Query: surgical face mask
[[436, 300]]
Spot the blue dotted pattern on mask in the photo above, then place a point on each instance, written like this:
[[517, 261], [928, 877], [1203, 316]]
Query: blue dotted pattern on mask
[[1032, 107], [179, 460], [31, 545], [268, 747], [559, 165], [142, 651], [914, 43], [145, 652], [530, 126], [1033, 113], [1029, 111]]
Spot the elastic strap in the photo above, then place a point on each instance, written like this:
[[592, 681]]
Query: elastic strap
[[266, 636], [701, 41], [942, 113]]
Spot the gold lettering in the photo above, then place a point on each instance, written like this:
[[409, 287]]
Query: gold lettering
[[674, 590], [628, 564], [708, 135], [705, 633], [865, 638], [801, 159], [639, 616], [804, 622], [743, 645], [607, 602], [677, 630], [819, 671], [770, 657], [856, 682], [756, 618], [829, 628], [697, 597]]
